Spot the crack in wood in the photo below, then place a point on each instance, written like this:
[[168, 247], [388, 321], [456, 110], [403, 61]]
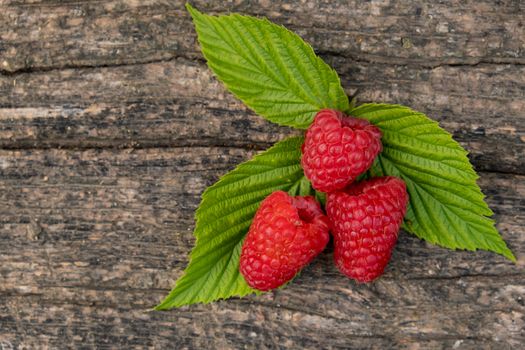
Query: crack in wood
[[424, 63]]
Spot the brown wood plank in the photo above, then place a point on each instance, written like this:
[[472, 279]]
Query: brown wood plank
[[50, 34], [111, 126], [90, 239], [180, 103], [150, 105]]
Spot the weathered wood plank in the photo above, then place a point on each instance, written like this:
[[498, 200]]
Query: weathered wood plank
[[42, 190], [180, 103], [149, 105], [268, 323], [50, 34], [91, 239]]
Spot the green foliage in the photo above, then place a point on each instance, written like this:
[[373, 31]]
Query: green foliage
[[271, 69], [279, 76], [224, 217], [446, 205]]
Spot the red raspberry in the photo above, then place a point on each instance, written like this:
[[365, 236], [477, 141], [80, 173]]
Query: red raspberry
[[285, 235], [365, 222], [337, 149]]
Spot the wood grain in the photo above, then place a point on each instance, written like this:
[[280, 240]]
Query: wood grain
[[111, 126], [45, 34], [97, 237], [151, 105]]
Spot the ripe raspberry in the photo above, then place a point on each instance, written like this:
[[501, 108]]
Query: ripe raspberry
[[285, 235], [365, 222], [337, 149]]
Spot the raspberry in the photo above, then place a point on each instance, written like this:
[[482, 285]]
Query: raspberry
[[285, 235], [337, 149], [365, 220]]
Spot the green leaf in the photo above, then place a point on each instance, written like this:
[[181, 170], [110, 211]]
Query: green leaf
[[271, 69], [446, 205], [224, 217]]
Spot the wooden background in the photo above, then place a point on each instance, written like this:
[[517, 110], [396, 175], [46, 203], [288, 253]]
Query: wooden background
[[111, 126]]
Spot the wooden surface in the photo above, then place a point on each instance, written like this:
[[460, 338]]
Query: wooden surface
[[111, 126]]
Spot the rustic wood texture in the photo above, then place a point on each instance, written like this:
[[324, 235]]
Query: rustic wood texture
[[111, 126]]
